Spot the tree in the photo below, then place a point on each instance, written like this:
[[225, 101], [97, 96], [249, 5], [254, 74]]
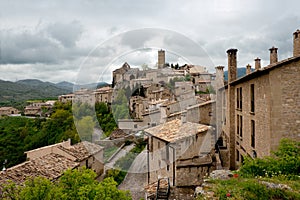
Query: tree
[[73, 184], [85, 127], [120, 106]]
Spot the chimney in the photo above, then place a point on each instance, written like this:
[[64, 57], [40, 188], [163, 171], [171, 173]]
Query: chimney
[[219, 82], [232, 65], [248, 69], [273, 55], [257, 63], [296, 51], [161, 59]]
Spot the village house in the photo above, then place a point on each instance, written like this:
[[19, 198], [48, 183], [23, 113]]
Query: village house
[[90, 97], [258, 109], [39, 108], [8, 111], [181, 151], [51, 161]]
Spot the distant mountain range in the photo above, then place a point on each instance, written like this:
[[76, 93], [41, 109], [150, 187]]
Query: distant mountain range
[[240, 72], [29, 89]]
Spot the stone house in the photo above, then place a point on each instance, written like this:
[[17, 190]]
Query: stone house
[[103, 94], [84, 153], [181, 151], [38, 108], [257, 110], [51, 161], [8, 111]]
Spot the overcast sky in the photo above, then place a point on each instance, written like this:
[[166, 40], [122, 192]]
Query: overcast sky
[[85, 40]]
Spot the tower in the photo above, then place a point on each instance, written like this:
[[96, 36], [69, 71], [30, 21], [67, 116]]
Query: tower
[[161, 59]]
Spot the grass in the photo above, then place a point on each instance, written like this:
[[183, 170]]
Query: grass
[[252, 189]]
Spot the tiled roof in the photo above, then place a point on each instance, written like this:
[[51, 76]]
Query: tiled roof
[[50, 166], [6, 108], [82, 150], [176, 130]]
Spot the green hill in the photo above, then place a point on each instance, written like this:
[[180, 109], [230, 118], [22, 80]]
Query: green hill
[[13, 93], [240, 72]]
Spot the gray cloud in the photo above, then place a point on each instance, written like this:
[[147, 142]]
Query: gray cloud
[[52, 40], [52, 44]]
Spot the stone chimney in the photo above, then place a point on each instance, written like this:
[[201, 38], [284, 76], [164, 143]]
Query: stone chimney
[[257, 63], [161, 59], [232, 65], [296, 51], [248, 69], [273, 55], [219, 82]]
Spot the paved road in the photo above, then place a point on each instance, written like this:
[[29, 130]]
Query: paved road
[[136, 178], [121, 153]]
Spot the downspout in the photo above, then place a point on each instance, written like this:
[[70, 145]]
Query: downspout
[[173, 164]]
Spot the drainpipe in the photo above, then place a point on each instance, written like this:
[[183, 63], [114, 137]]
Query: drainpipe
[[174, 161]]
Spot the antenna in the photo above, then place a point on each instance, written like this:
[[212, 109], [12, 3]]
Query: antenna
[[4, 168]]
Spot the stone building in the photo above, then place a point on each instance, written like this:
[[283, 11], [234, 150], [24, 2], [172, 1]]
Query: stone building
[[91, 97], [161, 59], [39, 108], [181, 151], [8, 111], [51, 161], [257, 110]]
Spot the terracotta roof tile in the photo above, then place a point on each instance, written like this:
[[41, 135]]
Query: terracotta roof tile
[[50, 166], [176, 130]]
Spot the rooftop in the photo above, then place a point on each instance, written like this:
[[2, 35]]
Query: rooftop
[[176, 130], [82, 150], [50, 166], [6, 108]]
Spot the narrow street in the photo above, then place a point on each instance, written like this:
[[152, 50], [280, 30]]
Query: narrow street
[[118, 155], [136, 178]]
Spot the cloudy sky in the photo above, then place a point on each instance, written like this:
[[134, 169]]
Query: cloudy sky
[[83, 41]]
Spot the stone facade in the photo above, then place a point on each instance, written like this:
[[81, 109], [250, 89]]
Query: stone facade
[[175, 147], [8, 111], [261, 108]]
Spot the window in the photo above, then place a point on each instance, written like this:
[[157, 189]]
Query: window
[[239, 125], [239, 98], [253, 133], [252, 97], [237, 155]]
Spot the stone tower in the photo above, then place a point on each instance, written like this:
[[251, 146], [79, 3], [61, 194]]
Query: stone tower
[[232, 65], [273, 55], [161, 59], [296, 51]]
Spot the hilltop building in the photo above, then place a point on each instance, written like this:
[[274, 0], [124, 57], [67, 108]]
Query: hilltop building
[[8, 111]]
